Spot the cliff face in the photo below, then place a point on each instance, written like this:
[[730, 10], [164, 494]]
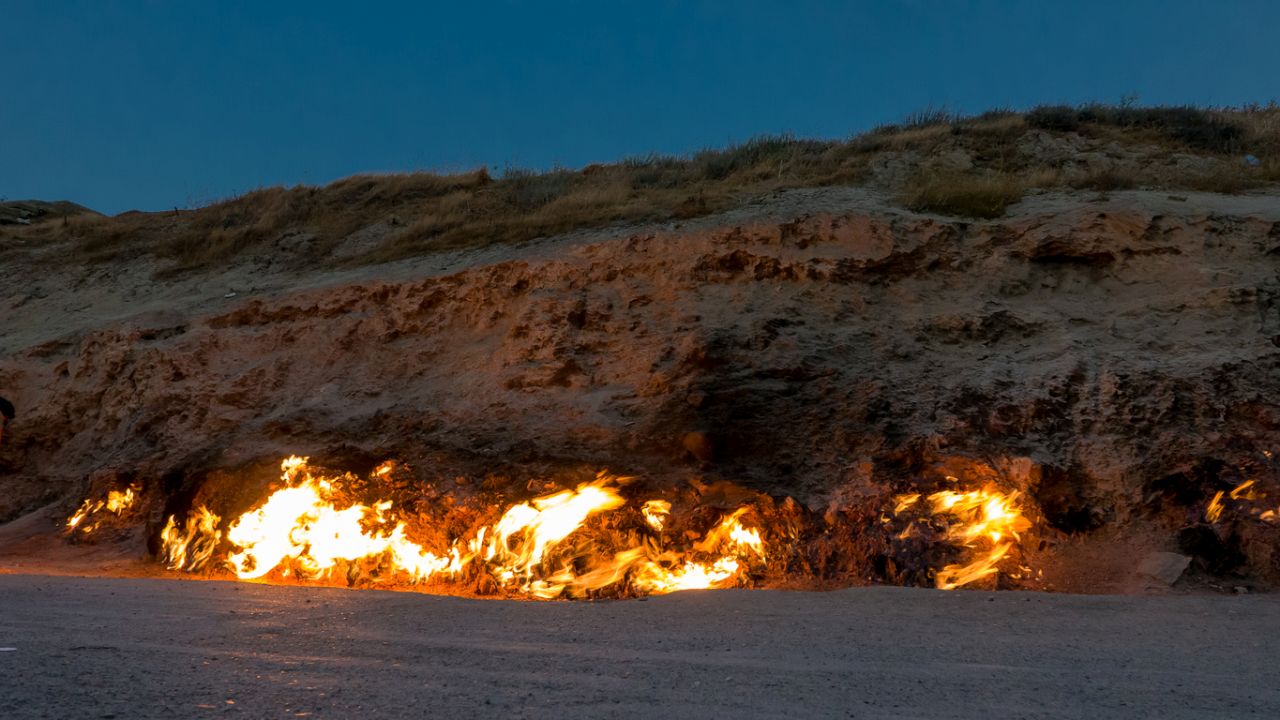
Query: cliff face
[[1117, 359]]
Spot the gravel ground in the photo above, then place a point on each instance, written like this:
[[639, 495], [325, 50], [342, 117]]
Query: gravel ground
[[131, 648]]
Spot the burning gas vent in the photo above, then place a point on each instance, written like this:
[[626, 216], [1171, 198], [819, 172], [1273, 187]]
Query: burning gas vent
[[598, 538]]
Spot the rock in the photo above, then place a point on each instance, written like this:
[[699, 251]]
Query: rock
[[698, 445], [1165, 567]]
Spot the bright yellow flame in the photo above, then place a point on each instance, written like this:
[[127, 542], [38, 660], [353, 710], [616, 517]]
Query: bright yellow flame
[[986, 517], [653, 578], [521, 539], [730, 542], [655, 513], [953, 576], [116, 502], [299, 526], [191, 547], [980, 513], [731, 534], [302, 529]]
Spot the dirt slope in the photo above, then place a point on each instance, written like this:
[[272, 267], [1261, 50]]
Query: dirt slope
[[1115, 357]]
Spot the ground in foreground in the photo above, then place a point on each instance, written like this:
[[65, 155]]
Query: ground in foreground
[[76, 647]]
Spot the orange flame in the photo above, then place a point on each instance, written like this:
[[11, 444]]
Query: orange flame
[[1214, 511], [655, 513], [116, 502], [530, 549], [979, 518], [300, 527], [1245, 492], [191, 547]]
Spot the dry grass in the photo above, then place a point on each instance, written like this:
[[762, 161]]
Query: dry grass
[[965, 195], [426, 212], [452, 211]]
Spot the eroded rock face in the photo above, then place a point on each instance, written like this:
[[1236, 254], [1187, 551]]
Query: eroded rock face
[[1125, 360]]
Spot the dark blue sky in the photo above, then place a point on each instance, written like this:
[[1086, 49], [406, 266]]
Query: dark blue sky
[[154, 104]]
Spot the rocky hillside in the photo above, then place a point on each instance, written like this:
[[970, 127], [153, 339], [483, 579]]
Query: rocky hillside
[[1116, 358]]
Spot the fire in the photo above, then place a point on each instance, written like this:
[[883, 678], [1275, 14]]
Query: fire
[[655, 513], [116, 503], [298, 528], [1246, 490], [1245, 495], [690, 576], [1214, 511], [986, 520], [542, 548], [191, 547], [593, 539], [733, 542], [519, 542]]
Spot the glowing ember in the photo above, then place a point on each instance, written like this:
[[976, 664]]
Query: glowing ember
[[539, 548], [986, 520], [115, 503]]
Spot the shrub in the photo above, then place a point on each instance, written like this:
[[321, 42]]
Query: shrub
[[1057, 118], [1196, 127]]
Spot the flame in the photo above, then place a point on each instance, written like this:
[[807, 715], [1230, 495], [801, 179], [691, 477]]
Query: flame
[[976, 519], [653, 578], [954, 576], [116, 503], [1248, 491], [299, 527], [906, 501], [537, 547], [521, 539], [655, 513], [731, 540], [1214, 511], [190, 548], [1245, 490], [731, 533]]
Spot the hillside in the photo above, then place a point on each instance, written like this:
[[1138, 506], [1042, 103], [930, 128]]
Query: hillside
[[1081, 306], [26, 212]]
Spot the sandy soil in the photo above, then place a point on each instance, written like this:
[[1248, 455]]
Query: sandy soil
[[86, 648]]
